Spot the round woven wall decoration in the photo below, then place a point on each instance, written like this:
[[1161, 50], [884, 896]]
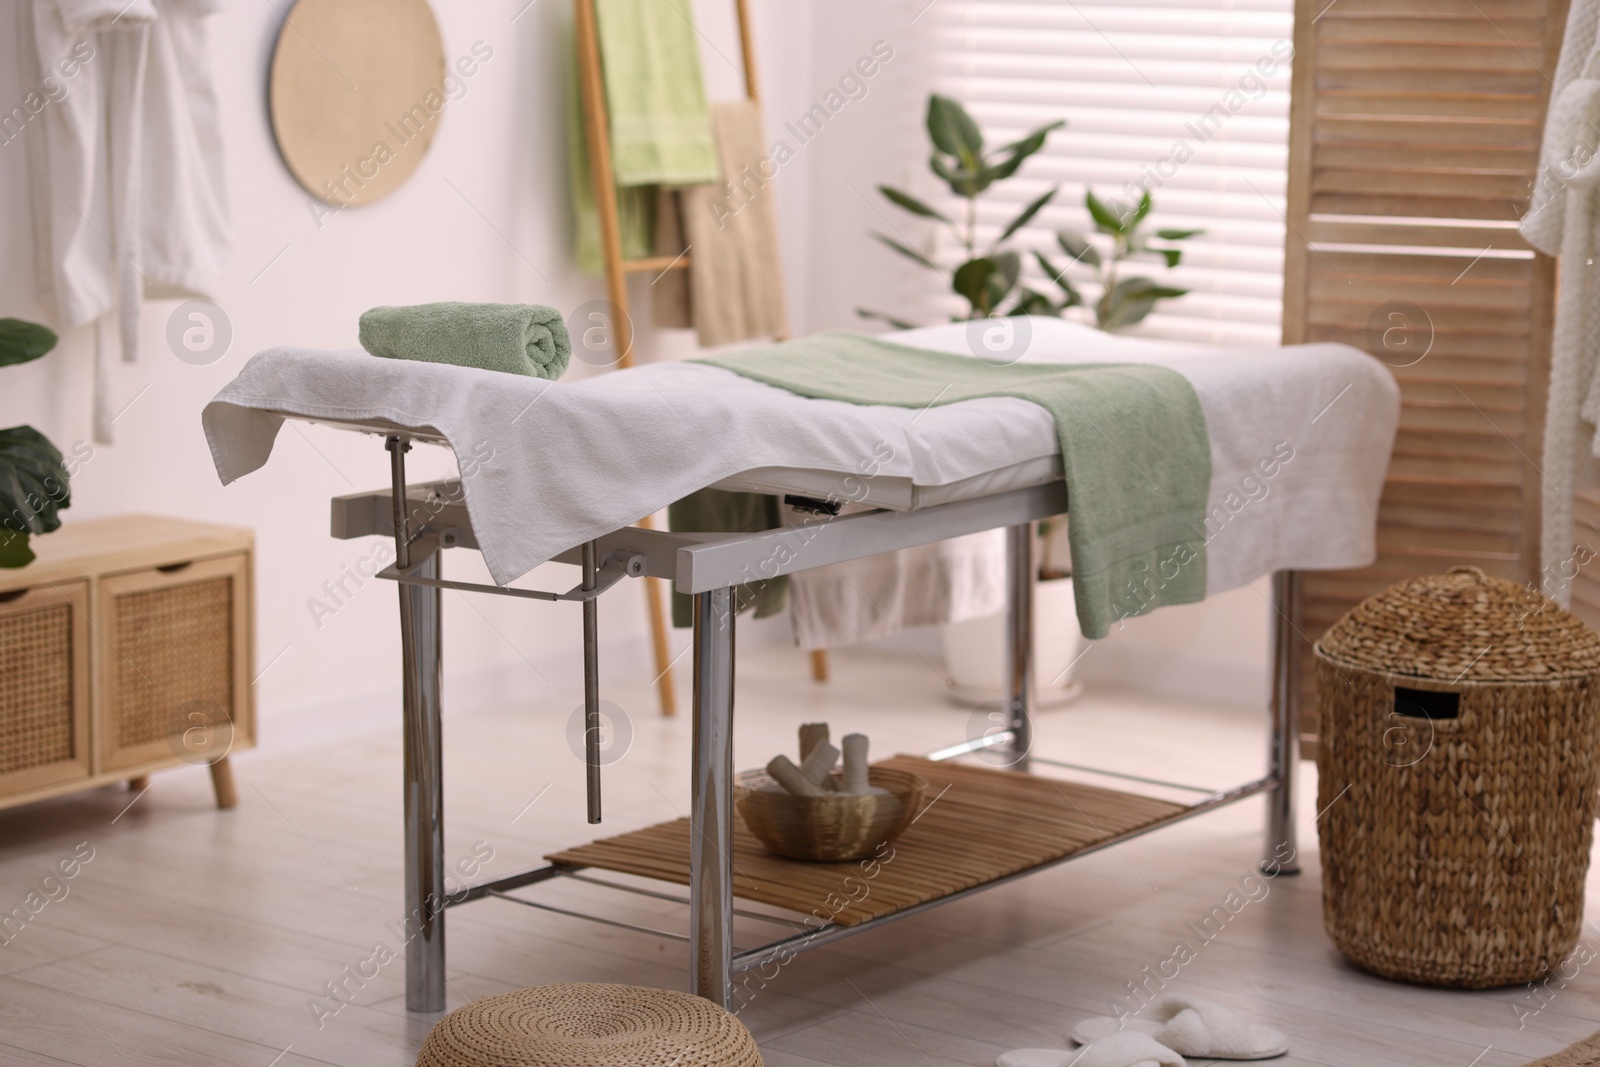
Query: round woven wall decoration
[[357, 90], [573, 1024]]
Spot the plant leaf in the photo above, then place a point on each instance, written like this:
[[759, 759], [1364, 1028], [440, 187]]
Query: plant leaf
[[14, 551], [882, 316], [1172, 255], [1033, 142], [1130, 301], [1146, 202], [1026, 216], [1105, 219], [1074, 298], [952, 130], [1126, 312], [1009, 267], [994, 172], [909, 252], [22, 342], [1078, 247], [962, 182], [911, 203], [1177, 235], [33, 482], [1033, 302], [972, 280]]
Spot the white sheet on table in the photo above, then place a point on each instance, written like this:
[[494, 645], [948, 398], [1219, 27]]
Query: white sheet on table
[[572, 460]]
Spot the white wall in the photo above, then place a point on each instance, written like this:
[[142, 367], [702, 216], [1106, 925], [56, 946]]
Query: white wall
[[483, 218], [503, 236]]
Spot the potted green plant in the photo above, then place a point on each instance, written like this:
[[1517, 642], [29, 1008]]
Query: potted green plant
[[990, 278], [33, 474]]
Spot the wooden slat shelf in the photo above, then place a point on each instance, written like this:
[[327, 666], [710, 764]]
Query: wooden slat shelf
[[978, 824]]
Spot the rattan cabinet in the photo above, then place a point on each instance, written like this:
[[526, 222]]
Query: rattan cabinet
[[125, 648]]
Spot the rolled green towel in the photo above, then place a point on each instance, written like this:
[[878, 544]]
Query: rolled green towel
[[526, 339]]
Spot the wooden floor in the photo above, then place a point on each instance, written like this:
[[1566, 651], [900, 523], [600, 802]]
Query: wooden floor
[[206, 938]]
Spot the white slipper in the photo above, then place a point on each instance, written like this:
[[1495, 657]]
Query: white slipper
[[1122, 1049], [1194, 1027]]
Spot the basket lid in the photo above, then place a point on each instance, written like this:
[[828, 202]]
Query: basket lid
[[1464, 626]]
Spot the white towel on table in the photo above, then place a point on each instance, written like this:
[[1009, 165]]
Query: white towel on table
[[1563, 221], [558, 463], [125, 164]]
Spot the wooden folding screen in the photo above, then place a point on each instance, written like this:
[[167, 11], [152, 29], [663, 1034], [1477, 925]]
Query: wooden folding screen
[[1414, 139]]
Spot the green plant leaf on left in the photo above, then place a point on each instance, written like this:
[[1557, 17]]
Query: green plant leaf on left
[[953, 132], [14, 550], [962, 182], [911, 203], [1078, 247], [971, 280], [1026, 215], [907, 251], [22, 342], [884, 316], [1106, 220], [1130, 301], [33, 482], [1033, 302], [1032, 142]]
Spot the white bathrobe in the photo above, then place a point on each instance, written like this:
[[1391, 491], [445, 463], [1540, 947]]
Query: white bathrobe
[[1564, 220], [125, 163]]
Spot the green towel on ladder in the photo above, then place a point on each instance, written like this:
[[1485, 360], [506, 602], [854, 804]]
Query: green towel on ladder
[[659, 119], [1134, 449], [636, 207], [660, 122]]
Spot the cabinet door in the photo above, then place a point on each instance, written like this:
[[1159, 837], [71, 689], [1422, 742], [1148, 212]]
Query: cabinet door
[[172, 664], [44, 686]]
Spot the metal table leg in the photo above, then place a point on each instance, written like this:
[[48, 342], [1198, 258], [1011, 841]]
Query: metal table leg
[[1019, 640], [1280, 850], [423, 758], [711, 800]]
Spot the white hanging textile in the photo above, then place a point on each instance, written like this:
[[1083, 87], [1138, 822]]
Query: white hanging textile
[[125, 159], [1562, 221]]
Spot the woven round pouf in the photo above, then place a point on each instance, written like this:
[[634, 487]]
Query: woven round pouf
[[1457, 765], [571, 1024]]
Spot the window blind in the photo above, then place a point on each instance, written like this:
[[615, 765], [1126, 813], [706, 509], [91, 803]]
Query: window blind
[[1187, 97]]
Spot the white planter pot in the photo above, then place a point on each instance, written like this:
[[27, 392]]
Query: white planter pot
[[975, 651]]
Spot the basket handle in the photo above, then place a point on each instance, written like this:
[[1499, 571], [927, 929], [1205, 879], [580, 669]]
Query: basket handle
[[1467, 568]]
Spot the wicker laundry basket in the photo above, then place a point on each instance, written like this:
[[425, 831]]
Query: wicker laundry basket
[[576, 1024], [1457, 773]]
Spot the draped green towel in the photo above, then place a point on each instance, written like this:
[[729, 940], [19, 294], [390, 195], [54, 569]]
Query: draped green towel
[[660, 122], [526, 339], [1134, 449]]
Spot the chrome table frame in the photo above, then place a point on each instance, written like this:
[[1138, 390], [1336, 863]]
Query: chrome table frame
[[426, 519]]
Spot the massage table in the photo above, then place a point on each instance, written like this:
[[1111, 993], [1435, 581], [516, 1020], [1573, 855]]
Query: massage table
[[1300, 441]]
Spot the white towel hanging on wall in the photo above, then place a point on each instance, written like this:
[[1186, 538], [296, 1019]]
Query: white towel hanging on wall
[[125, 162], [1563, 221]]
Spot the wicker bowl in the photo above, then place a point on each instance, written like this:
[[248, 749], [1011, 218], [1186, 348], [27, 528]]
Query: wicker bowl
[[833, 828]]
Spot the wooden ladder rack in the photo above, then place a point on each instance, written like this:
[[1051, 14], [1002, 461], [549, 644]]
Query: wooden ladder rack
[[597, 135]]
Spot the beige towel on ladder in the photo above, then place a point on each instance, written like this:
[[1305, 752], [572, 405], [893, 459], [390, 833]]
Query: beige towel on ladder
[[734, 286]]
